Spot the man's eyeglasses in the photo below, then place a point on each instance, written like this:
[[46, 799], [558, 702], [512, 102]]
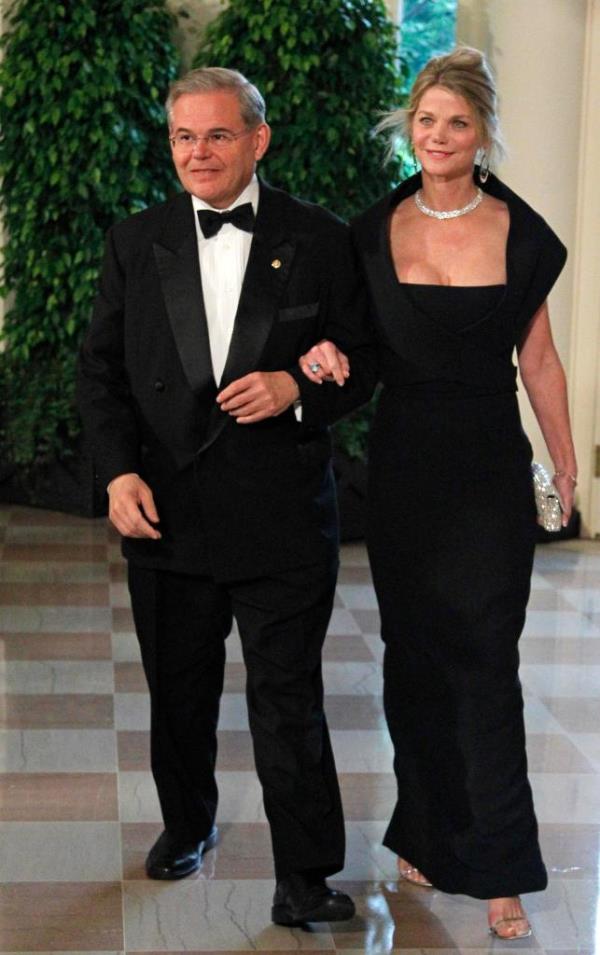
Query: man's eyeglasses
[[220, 139]]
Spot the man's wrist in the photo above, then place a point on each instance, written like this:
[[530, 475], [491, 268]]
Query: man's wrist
[[116, 478]]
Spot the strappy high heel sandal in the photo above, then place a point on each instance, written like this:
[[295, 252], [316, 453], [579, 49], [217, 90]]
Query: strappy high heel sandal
[[496, 927], [408, 873]]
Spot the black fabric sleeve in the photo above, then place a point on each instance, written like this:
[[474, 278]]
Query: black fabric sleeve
[[103, 391], [345, 321], [551, 258]]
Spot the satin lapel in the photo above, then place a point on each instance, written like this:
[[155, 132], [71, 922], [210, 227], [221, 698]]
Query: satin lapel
[[267, 273], [179, 271]]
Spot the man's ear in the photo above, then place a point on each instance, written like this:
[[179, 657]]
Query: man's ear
[[262, 140]]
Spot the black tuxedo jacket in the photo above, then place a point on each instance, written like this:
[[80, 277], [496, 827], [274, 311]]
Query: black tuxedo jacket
[[234, 500]]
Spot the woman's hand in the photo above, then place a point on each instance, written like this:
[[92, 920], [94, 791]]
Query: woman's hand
[[565, 484], [325, 362]]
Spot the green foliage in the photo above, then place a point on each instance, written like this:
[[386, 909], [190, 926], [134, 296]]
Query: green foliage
[[83, 144], [326, 69]]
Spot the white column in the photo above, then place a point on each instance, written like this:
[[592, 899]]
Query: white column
[[394, 9], [536, 49], [2, 236], [584, 366], [190, 26]]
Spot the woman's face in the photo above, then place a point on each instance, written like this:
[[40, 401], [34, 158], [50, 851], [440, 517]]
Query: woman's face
[[444, 133]]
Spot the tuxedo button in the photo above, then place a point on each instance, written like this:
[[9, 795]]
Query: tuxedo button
[[159, 385]]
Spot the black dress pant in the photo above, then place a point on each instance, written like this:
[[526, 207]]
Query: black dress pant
[[182, 622]]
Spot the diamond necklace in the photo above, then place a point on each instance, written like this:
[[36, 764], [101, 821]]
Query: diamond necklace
[[451, 213]]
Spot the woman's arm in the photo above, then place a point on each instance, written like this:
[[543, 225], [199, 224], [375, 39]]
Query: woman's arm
[[544, 380]]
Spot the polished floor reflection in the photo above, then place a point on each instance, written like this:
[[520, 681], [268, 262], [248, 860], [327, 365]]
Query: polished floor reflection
[[78, 809]]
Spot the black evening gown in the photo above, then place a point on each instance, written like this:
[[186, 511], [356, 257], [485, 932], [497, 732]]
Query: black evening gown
[[451, 534]]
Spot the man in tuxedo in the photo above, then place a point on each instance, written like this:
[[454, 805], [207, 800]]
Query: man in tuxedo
[[215, 452]]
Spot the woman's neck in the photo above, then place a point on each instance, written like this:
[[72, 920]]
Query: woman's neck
[[443, 194]]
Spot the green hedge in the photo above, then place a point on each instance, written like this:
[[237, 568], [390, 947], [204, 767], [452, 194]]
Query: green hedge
[[326, 69], [82, 144]]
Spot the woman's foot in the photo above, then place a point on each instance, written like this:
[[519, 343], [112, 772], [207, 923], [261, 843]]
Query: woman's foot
[[507, 919], [410, 874]]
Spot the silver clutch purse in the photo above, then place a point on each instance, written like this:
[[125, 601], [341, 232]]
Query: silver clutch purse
[[547, 500]]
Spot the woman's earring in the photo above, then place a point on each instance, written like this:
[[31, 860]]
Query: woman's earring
[[484, 167]]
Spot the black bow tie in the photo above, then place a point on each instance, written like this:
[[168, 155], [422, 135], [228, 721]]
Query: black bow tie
[[211, 221]]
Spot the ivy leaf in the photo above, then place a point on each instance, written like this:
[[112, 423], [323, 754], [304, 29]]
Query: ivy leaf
[[69, 81]]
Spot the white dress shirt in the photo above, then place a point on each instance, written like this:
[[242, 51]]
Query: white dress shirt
[[223, 260]]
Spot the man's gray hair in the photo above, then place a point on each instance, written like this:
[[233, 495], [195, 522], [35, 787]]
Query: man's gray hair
[[211, 78]]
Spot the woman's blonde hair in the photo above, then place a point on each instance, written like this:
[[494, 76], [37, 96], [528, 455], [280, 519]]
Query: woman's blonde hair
[[464, 71]]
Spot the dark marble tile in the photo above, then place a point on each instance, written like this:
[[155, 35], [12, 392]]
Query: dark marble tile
[[61, 916], [56, 646], [54, 595], [59, 797], [57, 711]]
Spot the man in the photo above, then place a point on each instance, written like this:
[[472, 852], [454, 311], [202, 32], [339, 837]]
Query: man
[[224, 498]]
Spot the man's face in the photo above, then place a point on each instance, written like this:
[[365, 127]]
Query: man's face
[[216, 171]]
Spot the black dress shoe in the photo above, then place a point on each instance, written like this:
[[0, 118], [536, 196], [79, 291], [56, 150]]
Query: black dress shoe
[[298, 900], [169, 859]]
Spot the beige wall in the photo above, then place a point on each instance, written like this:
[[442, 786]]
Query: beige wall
[[537, 49]]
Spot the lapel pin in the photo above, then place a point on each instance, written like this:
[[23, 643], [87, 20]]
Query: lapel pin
[[276, 264]]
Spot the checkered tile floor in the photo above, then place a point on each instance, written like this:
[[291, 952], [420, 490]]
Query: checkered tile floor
[[79, 811]]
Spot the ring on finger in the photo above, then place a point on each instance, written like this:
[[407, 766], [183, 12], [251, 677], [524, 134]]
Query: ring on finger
[[314, 367]]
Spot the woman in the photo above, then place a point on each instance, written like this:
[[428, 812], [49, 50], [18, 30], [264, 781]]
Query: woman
[[459, 269]]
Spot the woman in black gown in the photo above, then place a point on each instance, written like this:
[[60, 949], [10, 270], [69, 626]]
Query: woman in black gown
[[458, 277]]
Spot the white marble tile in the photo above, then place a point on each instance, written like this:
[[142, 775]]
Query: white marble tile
[[138, 801], [205, 915], [55, 619], [362, 751], [233, 648], [589, 745], [119, 594], [565, 679], [538, 718], [240, 798], [358, 596], [366, 858], [559, 623], [375, 645], [56, 676], [584, 599], [60, 852], [132, 711], [58, 751], [233, 714], [57, 572], [125, 647], [566, 796], [566, 917], [342, 622], [353, 678], [538, 582]]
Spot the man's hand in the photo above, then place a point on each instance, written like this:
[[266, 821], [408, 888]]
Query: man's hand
[[131, 507], [259, 395]]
